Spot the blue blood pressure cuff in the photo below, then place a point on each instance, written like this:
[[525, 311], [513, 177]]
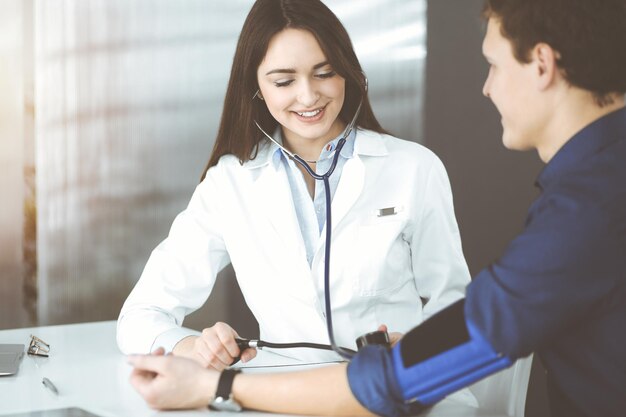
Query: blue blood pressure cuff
[[442, 355], [373, 382]]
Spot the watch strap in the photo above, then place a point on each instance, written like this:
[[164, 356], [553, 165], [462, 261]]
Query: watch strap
[[225, 383], [223, 396]]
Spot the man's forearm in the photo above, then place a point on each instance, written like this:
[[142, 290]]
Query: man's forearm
[[323, 391]]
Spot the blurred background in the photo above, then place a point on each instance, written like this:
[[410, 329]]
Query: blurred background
[[109, 109], [114, 106]]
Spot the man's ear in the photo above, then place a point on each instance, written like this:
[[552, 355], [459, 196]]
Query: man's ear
[[545, 58]]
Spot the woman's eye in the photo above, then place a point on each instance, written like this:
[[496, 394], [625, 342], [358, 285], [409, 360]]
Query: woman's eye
[[326, 75], [282, 83], [323, 76]]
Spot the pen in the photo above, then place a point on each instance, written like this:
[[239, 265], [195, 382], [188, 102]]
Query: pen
[[48, 384]]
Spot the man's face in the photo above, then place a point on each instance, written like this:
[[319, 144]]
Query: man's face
[[511, 87]]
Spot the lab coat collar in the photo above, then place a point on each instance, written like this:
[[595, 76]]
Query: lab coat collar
[[369, 143], [366, 143]]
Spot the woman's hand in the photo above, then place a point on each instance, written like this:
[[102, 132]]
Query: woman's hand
[[394, 337], [168, 382], [216, 348]]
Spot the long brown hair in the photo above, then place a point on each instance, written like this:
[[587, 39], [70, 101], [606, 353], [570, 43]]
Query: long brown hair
[[237, 134]]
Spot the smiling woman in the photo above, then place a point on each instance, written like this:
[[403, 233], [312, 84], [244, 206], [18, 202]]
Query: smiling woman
[[302, 92], [260, 60], [296, 76]]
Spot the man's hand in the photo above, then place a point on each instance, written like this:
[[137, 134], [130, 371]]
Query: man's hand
[[168, 382], [216, 348]]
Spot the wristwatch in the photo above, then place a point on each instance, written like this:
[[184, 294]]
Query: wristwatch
[[223, 400]]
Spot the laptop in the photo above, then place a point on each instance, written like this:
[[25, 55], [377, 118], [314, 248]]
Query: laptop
[[10, 357]]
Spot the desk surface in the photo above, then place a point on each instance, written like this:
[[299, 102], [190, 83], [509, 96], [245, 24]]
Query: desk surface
[[91, 373]]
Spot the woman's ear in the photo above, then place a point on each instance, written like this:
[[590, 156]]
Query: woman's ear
[[365, 81]]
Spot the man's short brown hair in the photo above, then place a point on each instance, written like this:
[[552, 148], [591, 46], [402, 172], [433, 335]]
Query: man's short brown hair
[[589, 36]]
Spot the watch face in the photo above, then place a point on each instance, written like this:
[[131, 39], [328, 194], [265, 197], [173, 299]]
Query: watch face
[[225, 404]]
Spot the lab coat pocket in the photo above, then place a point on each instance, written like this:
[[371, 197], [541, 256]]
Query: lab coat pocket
[[383, 256]]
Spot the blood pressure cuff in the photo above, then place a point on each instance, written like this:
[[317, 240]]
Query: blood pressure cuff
[[442, 355], [373, 382]]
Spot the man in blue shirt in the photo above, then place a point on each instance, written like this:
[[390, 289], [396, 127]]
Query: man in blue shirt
[[557, 77]]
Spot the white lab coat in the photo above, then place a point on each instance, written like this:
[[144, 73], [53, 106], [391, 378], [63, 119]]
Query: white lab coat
[[395, 270]]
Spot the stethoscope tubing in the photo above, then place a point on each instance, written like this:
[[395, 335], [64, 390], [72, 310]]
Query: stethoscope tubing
[[245, 343], [342, 351]]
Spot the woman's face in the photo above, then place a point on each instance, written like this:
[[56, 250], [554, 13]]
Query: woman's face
[[301, 90]]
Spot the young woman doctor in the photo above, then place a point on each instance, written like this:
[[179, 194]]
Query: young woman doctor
[[396, 251]]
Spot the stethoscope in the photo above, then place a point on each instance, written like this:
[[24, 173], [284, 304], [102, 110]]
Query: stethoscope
[[376, 337]]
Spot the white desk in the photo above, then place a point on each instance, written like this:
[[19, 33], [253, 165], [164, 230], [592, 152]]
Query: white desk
[[91, 373]]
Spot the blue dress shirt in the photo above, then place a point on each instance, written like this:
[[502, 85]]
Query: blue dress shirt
[[560, 288]]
